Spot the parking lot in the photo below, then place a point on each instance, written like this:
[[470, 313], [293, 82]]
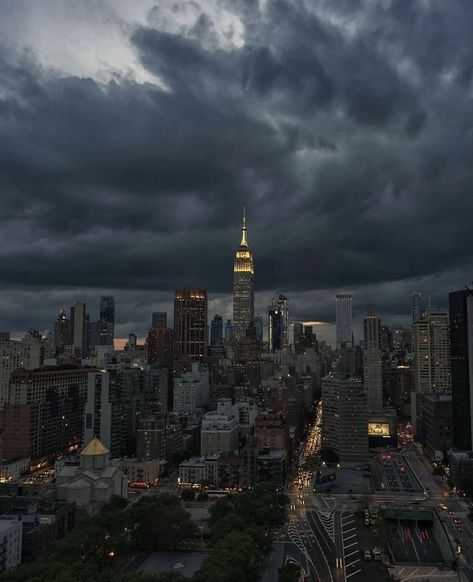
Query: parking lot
[[393, 474]]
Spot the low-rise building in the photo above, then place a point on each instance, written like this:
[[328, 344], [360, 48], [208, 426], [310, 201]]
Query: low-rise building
[[461, 470], [139, 470], [12, 470], [10, 543], [199, 471], [219, 431], [271, 466], [94, 481]]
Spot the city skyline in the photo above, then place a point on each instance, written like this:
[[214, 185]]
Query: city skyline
[[347, 169]]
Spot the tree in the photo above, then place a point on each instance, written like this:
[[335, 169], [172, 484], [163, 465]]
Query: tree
[[329, 455], [289, 573], [161, 522], [188, 495]]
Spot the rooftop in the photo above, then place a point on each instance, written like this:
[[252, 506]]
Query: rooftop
[[95, 447]]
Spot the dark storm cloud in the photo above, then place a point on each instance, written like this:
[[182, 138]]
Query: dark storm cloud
[[346, 129]]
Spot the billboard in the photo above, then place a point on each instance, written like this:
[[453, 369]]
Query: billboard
[[379, 429]]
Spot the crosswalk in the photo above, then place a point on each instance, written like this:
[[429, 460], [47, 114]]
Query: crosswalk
[[328, 521]]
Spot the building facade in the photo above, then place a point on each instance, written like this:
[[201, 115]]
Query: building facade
[[372, 365], [45, 414], [190, 324], [243, 287], [343, 316], [345, 419], [461, 346]]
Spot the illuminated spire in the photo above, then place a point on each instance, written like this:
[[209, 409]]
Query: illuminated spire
[[244, 241]]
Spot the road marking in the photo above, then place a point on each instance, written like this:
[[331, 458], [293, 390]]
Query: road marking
[[348, 522], [352, 563], [349, 537], [353, 573], [349, 530], [352, 544], [351, 553]]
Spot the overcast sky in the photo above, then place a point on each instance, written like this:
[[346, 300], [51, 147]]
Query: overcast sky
[[132, 133]]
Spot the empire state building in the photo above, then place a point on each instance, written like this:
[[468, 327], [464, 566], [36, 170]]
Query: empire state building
[[243, 286]]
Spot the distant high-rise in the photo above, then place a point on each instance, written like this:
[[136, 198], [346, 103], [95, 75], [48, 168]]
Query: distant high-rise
[[160, 341], [80, 330], [62, 332], [190, 324], [228, 332], [431, 345], [417, 308], [278, 323], [259, 324], [275, 329], [344, 319], [216, 331], [372, 367], [461, 346], [159, 319], [107, 317], [243, 287]]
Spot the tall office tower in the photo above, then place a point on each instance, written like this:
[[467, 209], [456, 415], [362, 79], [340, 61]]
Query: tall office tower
[[216, 331], [461, 346], [228, 332], [107, 317], [243, 287], [80, 330], [372, 368], [190, 324], [417, 308], [431, 344], [345, 418], [159, 319], [25, 354], [280, 303], [62, 332], [344, 319], [160, 341], [275, 329], [259, 325], [105, 414], [45, 413]]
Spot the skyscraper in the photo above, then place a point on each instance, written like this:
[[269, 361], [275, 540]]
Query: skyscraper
[[431, 345], [275, 328], [243, 286], [80, 330], [278, 316], [416, 307], [62, 332], [216, 331], [190, 324], [372, 361], [107, 317], [160, 341], [259, 324], [344, 319], [461, 346], [228, 332]]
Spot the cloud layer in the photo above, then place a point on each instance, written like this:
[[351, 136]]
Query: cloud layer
[[344, 127]]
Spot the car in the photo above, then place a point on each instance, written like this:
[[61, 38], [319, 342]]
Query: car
[[460, 529], [367, 555], [367, 521]]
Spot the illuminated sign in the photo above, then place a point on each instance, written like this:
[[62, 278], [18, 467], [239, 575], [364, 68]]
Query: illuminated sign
[[379, 429]]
